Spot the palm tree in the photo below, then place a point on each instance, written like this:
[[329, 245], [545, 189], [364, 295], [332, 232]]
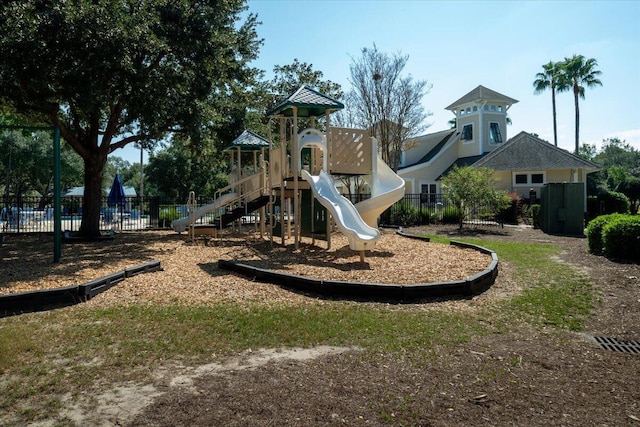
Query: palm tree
[[548, 79], [578, 73]]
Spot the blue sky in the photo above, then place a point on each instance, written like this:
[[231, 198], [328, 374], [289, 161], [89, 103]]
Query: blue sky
[[458, 45]]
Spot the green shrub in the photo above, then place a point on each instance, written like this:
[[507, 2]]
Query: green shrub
[[426, 216], [405, 215], [593, 206], [621, 238], [614, 202], [510, 213], [450, 215], [594, 232], [535, 215], [169, 213]]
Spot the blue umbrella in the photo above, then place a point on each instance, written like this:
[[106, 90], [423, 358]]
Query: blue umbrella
[[116, 194]]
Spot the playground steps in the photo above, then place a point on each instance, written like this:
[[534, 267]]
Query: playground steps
[[236, 213]]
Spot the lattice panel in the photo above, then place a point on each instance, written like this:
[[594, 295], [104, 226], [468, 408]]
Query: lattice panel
[[351, 151]]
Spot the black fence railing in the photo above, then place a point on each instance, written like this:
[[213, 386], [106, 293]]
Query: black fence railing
[[33, 214], [423, 209]]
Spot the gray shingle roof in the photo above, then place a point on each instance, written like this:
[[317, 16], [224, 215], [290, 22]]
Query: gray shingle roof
[[482, 93], [527, 152], [309, 103], [461, 163], [248, 141]]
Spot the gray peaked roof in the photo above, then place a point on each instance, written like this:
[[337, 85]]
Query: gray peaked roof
[[482, 93], [309, 102], [525, 151], [248, 141]]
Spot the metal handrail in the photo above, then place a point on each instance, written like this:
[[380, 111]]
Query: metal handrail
[[243, 197], [229, 187]]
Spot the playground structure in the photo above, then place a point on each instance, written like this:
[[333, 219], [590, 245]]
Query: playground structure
[[292, 186], [247, 191]]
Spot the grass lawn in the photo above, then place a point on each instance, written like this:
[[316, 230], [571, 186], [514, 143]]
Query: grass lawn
[[44, 356]]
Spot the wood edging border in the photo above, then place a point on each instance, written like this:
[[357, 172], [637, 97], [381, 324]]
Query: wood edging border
[[47, 299], [472, 285]]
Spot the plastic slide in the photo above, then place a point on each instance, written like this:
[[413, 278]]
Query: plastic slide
[[181, 225], [361, 236], [386, 189]]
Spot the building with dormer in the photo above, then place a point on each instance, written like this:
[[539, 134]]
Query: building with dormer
[[522, 164]]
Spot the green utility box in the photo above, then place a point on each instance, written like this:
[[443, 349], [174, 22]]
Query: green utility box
[[562, 208]]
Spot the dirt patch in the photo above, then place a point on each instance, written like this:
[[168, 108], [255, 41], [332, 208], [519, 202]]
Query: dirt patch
[[534, 377], [120, 405]]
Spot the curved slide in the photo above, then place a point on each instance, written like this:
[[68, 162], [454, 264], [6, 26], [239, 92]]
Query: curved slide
[[361, 236], [386, 189], [182, 224]]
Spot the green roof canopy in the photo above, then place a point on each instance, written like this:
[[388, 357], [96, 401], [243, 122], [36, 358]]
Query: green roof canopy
[[309, 103], [248, 141]]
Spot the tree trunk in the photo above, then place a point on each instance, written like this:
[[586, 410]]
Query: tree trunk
[[555, 126], [92, 201], [576, 94]]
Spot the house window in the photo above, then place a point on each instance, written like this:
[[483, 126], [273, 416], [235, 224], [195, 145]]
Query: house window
[[495, 137], [475, 108], [429, 194], [467, 132], [529, 178]]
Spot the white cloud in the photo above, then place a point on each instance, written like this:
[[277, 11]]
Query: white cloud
[[631, 137]]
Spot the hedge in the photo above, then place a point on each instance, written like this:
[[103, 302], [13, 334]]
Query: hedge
[[594, 232], [621, 237], [614, 202]]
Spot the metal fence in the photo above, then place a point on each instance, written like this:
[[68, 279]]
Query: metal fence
[[34, 214], [423, 209]]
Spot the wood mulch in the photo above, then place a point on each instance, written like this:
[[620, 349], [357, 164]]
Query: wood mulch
[[190, 274]]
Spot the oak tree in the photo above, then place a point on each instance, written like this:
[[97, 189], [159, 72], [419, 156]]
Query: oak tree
[[109, 73]]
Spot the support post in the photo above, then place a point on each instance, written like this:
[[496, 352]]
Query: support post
[[141, 181], [284, 168], [192, 205], [296, 200], [57, 199], [327, 138]]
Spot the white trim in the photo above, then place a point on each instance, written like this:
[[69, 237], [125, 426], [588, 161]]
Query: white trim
[[481, 104], [413, 184]]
